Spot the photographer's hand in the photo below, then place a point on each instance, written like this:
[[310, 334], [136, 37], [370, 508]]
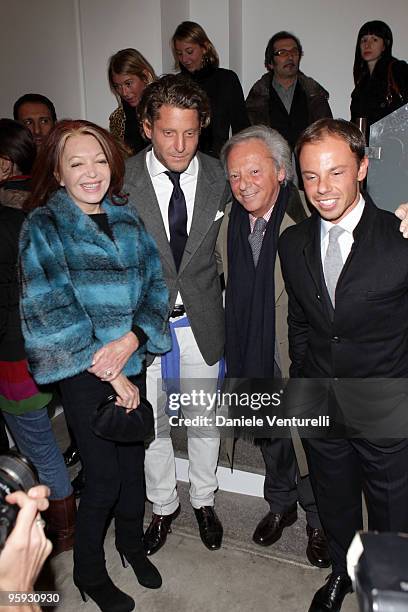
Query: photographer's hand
[[26, 548]]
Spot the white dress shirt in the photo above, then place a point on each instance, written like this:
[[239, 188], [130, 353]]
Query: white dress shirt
[[346, 239], [163, 188]]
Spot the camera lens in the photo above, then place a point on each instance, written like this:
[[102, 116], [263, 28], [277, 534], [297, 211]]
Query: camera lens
[[19, 471]]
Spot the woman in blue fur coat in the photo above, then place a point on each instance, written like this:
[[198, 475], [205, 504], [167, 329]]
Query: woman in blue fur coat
[[93, 301]]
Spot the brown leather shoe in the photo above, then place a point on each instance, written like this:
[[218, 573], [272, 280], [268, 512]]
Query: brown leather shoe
[[210, 527], [156, 533], [329, 598], [317, 550], [270, 528]]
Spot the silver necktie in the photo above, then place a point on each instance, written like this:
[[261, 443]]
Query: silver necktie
[[256, 237], [333, 262]]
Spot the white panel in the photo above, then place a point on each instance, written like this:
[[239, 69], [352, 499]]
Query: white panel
[[213, 16], [39, 54], [328, 32], [172, 13], [237, 481], [106, 28]]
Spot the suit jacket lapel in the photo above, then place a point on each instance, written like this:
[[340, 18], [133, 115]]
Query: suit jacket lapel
[[207, 198], [312, 254], [148, 207]]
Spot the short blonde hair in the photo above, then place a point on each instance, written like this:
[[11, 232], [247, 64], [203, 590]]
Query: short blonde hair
[[192, 32], [130, 61]]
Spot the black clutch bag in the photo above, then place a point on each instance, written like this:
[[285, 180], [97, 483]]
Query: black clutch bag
[[112, 422]]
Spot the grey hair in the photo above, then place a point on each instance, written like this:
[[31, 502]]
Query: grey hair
[[275, 143]]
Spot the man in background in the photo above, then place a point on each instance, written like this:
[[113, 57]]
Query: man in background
[[37, 113]]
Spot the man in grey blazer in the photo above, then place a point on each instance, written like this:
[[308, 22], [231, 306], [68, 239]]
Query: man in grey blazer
[[181, 196]]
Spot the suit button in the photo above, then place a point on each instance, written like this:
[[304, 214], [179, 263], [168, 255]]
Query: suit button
[[318, 296], [335, 339]]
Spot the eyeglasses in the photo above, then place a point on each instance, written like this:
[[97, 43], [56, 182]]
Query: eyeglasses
[[286, 52]]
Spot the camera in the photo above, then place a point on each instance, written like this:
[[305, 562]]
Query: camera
[[16, 474]]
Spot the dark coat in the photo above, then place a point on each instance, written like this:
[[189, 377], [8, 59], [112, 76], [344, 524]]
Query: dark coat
[[369, 98], [310, 102], [227, 107], [367, 334], [11, 339], [80, 289]]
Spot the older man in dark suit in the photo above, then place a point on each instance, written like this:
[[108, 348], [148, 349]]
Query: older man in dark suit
[[346, 274], [181, 195]]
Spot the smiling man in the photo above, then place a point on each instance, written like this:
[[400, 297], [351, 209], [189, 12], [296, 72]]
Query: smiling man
[[181, 195], [258, 166], [285, 98], [347, 320]]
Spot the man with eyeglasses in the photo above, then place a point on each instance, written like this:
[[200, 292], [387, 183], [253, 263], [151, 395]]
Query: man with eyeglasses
[[285, 98]]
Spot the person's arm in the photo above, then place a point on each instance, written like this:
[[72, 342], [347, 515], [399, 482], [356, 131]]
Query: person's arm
[[238, 112], [257, 103], [150, 318], [26, 548], [298, 326], [402, 213]]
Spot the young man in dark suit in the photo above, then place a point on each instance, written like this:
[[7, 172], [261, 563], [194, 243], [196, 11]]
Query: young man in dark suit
[[346, 274], [181, 195]]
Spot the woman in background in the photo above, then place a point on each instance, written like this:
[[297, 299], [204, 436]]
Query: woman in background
[[128, 73], [195, 55], [23, 404], [93, 300], [381, 80]]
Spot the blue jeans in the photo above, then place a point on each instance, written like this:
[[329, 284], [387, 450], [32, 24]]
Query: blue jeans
[[35, 439]]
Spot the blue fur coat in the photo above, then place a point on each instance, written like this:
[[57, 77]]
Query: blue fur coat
[[80, 290]]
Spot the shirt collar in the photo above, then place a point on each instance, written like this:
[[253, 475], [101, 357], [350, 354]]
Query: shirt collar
[[348, 223], [266, 216], [155, 166], [277, 85]]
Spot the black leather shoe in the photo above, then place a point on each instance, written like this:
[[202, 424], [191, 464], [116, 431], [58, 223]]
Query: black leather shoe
[[329, 597], [78, 483], [71, 455], [317, 551], [156, 533], [270, 529], [210, 527]]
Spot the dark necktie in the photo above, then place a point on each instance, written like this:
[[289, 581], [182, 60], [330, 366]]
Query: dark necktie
[[177, 219], [256, 237]]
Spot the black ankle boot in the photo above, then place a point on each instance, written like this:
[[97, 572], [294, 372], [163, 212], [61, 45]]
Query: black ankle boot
[[146, 573], [106, 595]]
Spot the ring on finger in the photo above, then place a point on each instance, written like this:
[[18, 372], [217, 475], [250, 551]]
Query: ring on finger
[[108, 372], [40, 522]]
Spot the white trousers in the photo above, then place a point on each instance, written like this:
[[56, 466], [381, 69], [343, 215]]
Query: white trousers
[[160, 468]]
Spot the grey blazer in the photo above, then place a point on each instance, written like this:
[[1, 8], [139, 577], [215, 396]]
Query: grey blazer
[[197, 279]]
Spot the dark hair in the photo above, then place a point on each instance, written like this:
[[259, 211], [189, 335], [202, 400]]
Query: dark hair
[[47, 166], [17, 145], [376, 28], [36, 99], [129, 61], [173, 90], [341, 128], [192, 32], [279, 36]]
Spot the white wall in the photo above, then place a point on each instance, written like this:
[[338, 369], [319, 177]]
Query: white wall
[[39, 53], [61, 47], [107, 27]]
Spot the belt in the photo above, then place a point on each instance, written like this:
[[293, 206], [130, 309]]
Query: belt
[[178, 311]]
